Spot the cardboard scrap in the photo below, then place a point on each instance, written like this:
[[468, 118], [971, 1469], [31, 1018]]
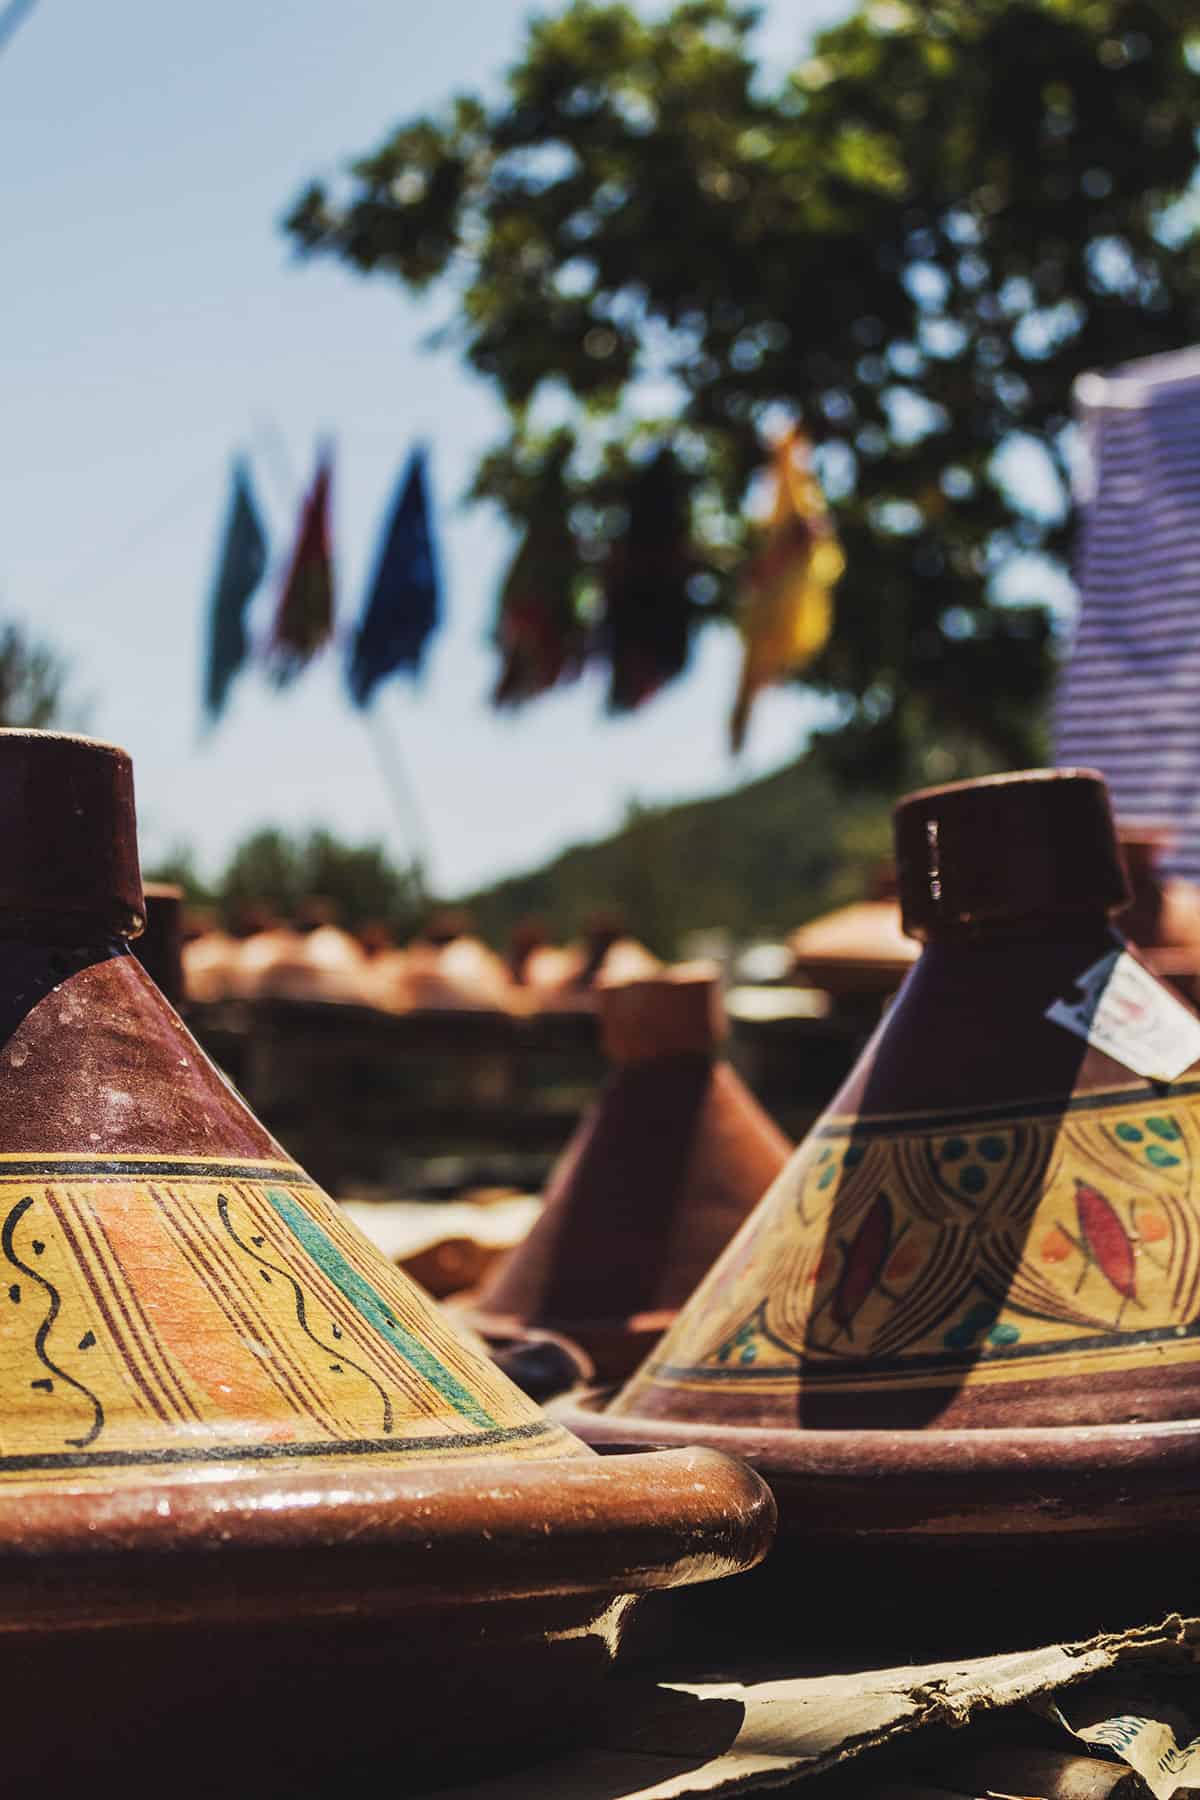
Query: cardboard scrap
[[1149, 1746], [660, 1742], [1015, 1772], [402, 1229]]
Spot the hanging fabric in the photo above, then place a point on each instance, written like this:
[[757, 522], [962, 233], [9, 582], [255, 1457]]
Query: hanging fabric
[[304, 617], [241, 565], [538, 633], [403, 604], [785, 606], [648, 613]]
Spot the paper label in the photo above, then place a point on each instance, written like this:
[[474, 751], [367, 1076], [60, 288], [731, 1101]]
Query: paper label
[[1149, 1747], [1123, 1010]]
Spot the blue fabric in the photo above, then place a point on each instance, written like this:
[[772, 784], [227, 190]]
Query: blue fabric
[[240, 568], [403, 606]]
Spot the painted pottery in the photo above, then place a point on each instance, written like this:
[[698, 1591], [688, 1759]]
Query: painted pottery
[[258, 1501], [159, 946], [668, 1163], [968, 1313]]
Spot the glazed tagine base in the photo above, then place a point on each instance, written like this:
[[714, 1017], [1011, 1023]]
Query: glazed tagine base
[[266, 1628], [946, 1538]]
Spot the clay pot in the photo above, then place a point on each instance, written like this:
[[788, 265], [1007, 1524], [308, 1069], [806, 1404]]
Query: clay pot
[[284, 964], [330, 948], [257, 1499], [569, 979], [860, 949], [468, 966], [462, 977], [159, 948], [660, 1174], [967, 1316], [210, 966]]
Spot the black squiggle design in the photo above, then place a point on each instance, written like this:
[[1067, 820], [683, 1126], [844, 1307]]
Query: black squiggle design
[[14, 1218], [337, 1353]]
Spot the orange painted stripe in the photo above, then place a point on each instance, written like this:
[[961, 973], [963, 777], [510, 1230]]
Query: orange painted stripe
[[190, 1325]]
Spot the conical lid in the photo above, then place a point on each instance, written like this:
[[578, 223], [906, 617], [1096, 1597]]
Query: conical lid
[[173, 1289], [159, 948], [860, 949], [997, 1221], [669, 1161]]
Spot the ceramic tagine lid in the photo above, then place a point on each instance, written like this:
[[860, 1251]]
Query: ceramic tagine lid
[[220, 1407], [159, 947], [982, 1267], [667, 1164]]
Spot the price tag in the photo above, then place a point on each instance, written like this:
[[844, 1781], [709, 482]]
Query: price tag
[[1123, 1010]]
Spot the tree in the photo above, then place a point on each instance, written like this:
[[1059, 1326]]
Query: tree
[[33, 682], [178, 866], [264, 870], [272, 869], [916, 242]]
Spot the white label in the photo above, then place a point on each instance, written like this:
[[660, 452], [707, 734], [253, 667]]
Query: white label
[[1124, 1011]]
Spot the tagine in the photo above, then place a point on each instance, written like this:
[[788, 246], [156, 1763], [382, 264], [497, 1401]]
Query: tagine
[[671, 1158], [962, 1331], [262, 1512]]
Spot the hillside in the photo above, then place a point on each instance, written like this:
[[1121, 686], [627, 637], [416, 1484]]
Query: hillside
[[756, 862]]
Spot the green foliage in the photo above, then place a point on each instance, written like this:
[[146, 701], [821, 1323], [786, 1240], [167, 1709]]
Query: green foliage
[[264, 870], [757, 861], [916, 241], [360, 880], [178, 866], [281, 872], [33, 682]]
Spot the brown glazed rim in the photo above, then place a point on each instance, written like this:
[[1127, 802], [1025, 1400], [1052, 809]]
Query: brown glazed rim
[[1044, 1454], [377, 1542]]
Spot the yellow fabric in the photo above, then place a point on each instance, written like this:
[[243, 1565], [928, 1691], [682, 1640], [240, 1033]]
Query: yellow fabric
[[786, 602]]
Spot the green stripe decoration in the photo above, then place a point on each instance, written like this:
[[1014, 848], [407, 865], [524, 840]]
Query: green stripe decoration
[[369, 1306]]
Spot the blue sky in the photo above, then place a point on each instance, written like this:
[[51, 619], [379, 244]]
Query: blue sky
[[155, 321]]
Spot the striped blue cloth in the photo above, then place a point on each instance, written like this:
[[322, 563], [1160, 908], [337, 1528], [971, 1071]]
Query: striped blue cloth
[[1129, 699]]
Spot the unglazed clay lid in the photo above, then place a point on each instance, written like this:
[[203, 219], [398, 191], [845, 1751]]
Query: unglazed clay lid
[[671, 1157], [866, 931], [1007, 847], [675, 1012]]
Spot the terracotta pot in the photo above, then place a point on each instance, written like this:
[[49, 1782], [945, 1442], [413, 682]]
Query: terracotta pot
[[669, 1161], [159, 947], [210, 963], [860, 949], [246, 1467], [968, 1313]]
